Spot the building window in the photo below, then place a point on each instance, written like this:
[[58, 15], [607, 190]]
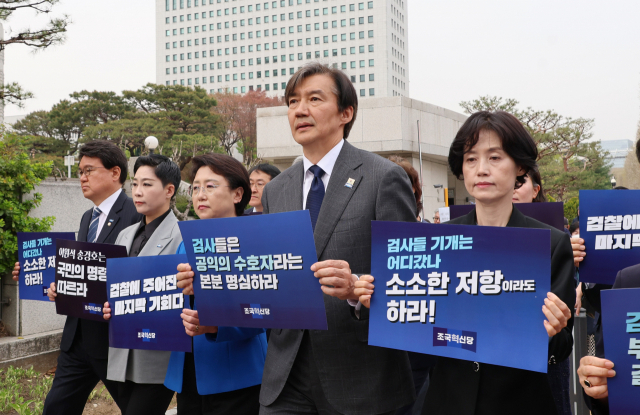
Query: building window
[[370, 48], [371, 77], [361, 78], [370, 18], [353, 64], [370, 33], [370, 62], [372, 92], [370, 5], [362, 92]]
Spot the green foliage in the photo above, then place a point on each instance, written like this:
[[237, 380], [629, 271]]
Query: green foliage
[[23, 390], [568, 161], [18, 176], [571, 208]]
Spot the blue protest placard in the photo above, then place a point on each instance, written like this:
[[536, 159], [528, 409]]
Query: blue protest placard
[[254, 271], [37, 257], [610, 227], [146, 304], [551, 213], [466, 292], [621, 331]]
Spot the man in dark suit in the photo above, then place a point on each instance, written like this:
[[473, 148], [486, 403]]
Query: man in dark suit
[[259, 176], [344, 189], [85, 343]]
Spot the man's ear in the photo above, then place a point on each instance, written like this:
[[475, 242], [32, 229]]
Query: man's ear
[[347, 115], [115, 173], [171, 190]]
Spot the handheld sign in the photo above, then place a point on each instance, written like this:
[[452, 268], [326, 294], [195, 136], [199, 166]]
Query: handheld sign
[[37, 257], [81, 277], [621, 331], [254, 271], [550, 213], [467, 292], [610, 227], [146, 304]]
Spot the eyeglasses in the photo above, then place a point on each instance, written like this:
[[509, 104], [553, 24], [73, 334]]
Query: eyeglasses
[[259, 185], [208, 189], [88, 171]]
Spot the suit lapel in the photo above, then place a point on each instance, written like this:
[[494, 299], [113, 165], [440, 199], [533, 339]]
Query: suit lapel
[[127, 237], [113, 218], [84, 226], [292, 189], [161, 238], [337, 195]]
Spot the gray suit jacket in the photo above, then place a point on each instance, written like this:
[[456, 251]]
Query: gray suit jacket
[[145, 366], [356, 378]]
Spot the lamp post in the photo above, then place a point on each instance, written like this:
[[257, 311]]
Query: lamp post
[[151, 143], [613, 182]]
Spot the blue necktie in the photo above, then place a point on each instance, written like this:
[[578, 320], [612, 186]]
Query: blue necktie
[[92, 235], [316, 194]]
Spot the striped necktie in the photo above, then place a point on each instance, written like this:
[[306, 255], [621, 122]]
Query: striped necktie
[[316, 194], [92, 235]]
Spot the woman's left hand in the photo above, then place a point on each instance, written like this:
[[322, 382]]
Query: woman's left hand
[[192, 323], [557, 314]]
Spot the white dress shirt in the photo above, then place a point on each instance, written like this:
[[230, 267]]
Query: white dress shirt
[[105, 207], [326, 164]]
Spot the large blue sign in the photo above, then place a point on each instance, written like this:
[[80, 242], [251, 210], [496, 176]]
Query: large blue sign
[[621, 331], [37, 257], [610, 227], [146, 303], [254, 271], [466, 292], [551, 213]]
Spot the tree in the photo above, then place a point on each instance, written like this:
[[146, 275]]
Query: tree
[[630, 174], [53, 33], [18, 176], [238, 118], [568, 161]]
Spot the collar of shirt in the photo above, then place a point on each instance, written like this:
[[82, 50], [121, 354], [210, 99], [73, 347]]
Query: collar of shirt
[[326, 163], [144, 232], [105, 208]]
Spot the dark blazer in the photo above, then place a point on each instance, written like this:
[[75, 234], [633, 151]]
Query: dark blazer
[[95, 335], [626, 278], [355, 378], [457, 388]]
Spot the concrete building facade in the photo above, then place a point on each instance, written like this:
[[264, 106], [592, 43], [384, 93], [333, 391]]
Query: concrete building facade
[[385, 126], [242, 45]]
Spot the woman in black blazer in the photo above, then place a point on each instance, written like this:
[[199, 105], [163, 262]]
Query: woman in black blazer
[[493, 153]]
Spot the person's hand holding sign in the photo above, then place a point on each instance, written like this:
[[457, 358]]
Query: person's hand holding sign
[[192, 323], [336, 279], [185, 278], [16, 271], [593, 373], [577, 245], [51, 292], [106, 311], [557, 314], [363, 289]]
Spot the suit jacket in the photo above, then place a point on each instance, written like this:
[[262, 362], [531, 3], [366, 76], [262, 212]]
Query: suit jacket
[[95, 334], [626, 278], [355, 378], [145, 366], [231, 359], [457, 388]]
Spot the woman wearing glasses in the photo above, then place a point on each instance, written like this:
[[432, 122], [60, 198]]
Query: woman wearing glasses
[[224, 372]]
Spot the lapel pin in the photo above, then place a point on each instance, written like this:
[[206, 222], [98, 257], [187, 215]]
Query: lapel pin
[[109, 224], [349, 183], [159, 246]]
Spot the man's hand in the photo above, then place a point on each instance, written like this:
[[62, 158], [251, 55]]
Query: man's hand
[[336, 279], [106, 311], [557, 314], [192, 323], [364, 289], [16, 271], [51, 292], [595, 371], [577, 245], [578, 305], [185, 278]]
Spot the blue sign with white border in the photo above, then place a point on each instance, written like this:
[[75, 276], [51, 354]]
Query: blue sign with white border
[[146, 304], [466, 292], [254, 271]]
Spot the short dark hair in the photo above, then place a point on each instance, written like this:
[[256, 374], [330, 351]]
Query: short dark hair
[[516, 141], [575, 225], [109, 154], [166, 170], [414, 177], [536, 180], [229, 168], [266, 168], [343, 88]]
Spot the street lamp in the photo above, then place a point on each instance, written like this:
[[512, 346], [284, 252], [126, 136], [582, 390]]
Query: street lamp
[[151, 143], [613, 182]]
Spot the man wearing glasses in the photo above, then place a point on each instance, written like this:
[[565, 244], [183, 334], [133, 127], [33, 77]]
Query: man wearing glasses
[[259, 176], [85, 343]]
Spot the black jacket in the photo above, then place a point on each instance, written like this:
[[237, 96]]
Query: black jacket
[[95, 334], [467, 388]]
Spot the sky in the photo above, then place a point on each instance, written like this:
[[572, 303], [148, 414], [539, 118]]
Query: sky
[[579, 58]]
